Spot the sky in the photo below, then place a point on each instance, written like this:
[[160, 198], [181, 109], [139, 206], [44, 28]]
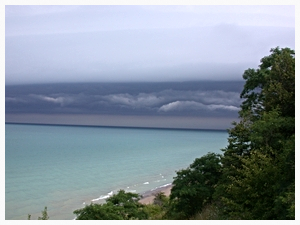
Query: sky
[[113, 43], [170, 66]]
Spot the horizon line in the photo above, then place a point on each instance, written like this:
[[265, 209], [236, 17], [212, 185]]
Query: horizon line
[[118, 127]]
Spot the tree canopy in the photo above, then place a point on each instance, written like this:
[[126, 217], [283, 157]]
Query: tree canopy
[[120, 206], [194, 186], [258, 175]]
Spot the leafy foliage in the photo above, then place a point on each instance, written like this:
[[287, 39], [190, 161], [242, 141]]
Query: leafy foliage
[[258, 173], [43, 217], [160, 199], [270, 86], [120, 206], [194, 186], [253, 190]]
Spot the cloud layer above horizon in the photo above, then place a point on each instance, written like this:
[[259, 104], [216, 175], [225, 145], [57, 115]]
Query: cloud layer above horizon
[[202, 99], [200, 105], [45, 44]]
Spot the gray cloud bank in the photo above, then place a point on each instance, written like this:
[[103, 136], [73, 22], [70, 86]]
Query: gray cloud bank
[[208, 99], [140, 43], [181, 99]]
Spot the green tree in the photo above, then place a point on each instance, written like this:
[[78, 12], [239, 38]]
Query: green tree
[[160, 199], [43, 217], [98, 212], [120, 206], [193, 187], [268, 89], [280, 89], [157, 210], [270, 86], [258, 173], [257, 189]]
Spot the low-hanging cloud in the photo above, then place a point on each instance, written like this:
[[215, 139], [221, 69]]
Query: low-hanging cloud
[[188, 99], [140, 100], [172, 100], [192, 105], [58, 100], [180, 106]]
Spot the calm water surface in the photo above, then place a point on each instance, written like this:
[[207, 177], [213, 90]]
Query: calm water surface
[[67, 167]]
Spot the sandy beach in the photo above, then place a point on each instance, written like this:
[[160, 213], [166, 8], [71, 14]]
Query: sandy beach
[[148, 196]]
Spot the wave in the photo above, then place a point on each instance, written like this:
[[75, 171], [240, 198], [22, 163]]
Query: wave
[[165, 185], [103, 196], [131, 191], [162, 186]]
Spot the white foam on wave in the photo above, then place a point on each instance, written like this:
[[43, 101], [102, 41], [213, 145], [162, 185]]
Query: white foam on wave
[[165, 185], [146, 182], [103, 197], [162, 186], [132, 191]]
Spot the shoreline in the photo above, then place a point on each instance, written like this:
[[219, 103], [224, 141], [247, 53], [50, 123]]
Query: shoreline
[[148, 196]]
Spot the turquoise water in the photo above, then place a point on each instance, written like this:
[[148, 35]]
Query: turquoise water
[[66, 167]]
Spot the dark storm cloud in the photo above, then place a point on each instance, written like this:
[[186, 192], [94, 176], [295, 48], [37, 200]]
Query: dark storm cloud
[[171, 101], [220, 99]]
